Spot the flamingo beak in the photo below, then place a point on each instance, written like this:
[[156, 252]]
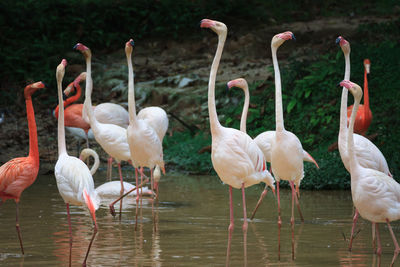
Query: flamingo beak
[[163, 170]]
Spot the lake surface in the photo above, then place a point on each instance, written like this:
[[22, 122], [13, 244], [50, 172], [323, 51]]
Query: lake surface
[[192, 219]]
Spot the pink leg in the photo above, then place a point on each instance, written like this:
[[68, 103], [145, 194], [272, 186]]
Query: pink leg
[[141, 189], [355, 218], [378, 238], [263, 194], [298, 204], [396, 245], [152, 188], [18, 229], [230, 228], [245, 225], [122, 188], [279, 221], [109, 168], [137, 198], [292, 218], [91, 240], [373, 237], [70, 235]]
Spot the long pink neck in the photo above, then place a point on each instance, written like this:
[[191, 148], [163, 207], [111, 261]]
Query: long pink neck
[[33, 140], [243, 119], [212, 110], [366, 96], [343, 110], [62, 149], [131, 90], [350, 137]]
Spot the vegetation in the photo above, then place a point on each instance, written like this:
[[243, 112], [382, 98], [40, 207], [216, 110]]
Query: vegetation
[[35, 33]]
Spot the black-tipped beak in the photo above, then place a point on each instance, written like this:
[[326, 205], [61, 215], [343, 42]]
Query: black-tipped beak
[[132, 43], [45, 85], [293, 37], [338, 40], [64, 96], [75, 46]]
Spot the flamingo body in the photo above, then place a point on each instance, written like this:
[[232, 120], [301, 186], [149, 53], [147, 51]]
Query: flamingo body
[[363, 119]]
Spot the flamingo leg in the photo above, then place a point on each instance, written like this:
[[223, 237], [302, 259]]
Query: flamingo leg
[[355, 218], [292, 218], [92, 239], [279, 221], [396, 245], [109, 168], [230, 228], [373, 237], [18, 228], [245, 225], [263, 194], [152, 187], [70, 235], [297, 202], [122, 188], [378, 239], [137, 197], [141, 189]]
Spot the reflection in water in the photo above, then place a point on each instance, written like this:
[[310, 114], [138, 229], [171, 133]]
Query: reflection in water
[[191, 229]]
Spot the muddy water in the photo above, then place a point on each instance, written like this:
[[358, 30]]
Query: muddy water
[[192, 218]]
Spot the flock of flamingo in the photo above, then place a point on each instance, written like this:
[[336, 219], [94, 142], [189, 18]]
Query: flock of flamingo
[[238, 159]]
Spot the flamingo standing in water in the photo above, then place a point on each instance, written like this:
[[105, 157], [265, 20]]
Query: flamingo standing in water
[[74, 181], [235, 156], [19, 173], [111, 137], [375, 194], [368, 155], [145, 142], [286, 152], [110, 188], [364, 114], [263, 140]]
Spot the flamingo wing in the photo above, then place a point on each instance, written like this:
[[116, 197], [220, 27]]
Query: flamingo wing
[[156, 118]]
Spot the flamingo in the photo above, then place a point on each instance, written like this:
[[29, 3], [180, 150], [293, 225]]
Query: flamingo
[[368, 155], [74, 181], [263, 140], [19, 173], [364, 114], [286, 152], [235, 156], [110, 188], [144, 140], [111, 137], [375, 194]]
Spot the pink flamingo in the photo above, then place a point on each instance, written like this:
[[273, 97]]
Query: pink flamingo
[[74, 181], [368, 155], [19, 173], [364, 114], [375, 194], [235, 156]]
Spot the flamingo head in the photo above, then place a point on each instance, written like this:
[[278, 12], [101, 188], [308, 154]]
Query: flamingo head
[[31, 88], [61, 70], [354, 88], [240, 82], [69, 89], [81, 77], [367, 65], [129, 46], [344, 44], [216, 26], [280, 38], [83, 49]]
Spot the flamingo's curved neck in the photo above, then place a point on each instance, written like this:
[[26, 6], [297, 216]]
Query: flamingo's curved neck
[[61, 130], [212, 110], [131, 90], [96, 161], [33, 142], [243, 119], [343, 104], [366, 95], [278, 92], [350, 139]]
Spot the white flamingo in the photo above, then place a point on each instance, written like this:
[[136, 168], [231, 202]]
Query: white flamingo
[[263, 140], [111, 137], [145, 142], [286, 153], [368, 155], [235, 156], [74, 181], [375, 194], [113, 188]]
